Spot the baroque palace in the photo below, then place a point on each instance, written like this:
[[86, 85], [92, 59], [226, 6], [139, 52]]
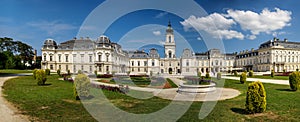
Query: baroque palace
[[107, 57]]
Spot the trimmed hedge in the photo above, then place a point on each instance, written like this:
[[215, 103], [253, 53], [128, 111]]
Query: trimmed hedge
[[47, 71], [41, 77], [243, 77], [34, 73], [294, 80], [199, 74], [256, 101], [81, 86], [272, 73], [58, 72], [219, 75], [251, 73], [235, 73], [104, 76], [207, 75]]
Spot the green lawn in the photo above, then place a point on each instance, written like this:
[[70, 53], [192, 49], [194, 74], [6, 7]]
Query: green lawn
[[13, 71], [55, 102]]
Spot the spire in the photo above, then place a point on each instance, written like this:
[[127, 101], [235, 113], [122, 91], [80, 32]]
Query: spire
[[169, 25], [169, 29]]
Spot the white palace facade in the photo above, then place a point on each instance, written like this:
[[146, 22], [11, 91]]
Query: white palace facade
[[107, 57]]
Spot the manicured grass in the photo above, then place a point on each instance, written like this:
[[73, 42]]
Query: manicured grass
[[52, 102], [55, 102], [173, 85], [13, 71]]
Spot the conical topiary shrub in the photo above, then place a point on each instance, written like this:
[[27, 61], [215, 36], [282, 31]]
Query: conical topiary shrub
[[256, 101]]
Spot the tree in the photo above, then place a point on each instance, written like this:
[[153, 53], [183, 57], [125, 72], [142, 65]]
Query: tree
[[243, 77], [41, 77]]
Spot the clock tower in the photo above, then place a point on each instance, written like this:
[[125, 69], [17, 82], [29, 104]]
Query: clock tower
[[170, 43]]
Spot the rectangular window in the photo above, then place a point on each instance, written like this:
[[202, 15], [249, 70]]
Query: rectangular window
[[44, 58], [67, 67], [132, 69], [145, 63], [51, 67], [107, 68], [187, 63], [132, 63], [82, 57], [91, 58], [153, 63], [82, 67], [91, 69], [74, 68], [67, 58], [145, 70], [59, 66], [50, 58], [99, 58], [138, 63], [59, 58], [138, 69]]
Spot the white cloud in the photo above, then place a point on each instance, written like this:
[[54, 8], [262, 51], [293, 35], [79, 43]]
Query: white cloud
[[251, 37], [275, 34], [220, 25], [267, 21], [156, 33], [160, 15], [199, 38], [53, 27], [215, 24]]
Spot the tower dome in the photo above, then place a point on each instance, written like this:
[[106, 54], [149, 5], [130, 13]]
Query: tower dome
[[103, 39]]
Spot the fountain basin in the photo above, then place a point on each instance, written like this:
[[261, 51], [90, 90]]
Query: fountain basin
[[196, 88]]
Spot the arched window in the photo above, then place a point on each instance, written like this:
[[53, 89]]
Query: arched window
[[170, 39], [170, 54]]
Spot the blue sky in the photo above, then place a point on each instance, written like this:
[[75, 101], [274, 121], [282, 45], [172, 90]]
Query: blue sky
[[241, 24]]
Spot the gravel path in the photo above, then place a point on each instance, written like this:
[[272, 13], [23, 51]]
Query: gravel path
[[281, 82], [172, 94], [8, 112]]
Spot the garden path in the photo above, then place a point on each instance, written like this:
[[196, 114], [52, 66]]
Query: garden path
[[281, 82], [172, 94], [8, 113]]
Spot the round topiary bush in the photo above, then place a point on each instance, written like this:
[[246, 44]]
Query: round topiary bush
[[251, 73], [34, 73], [272, 73], [294, 80], [41, 77], [219, 75], [69, 72], [256, 101], [81, 86], [235, 73], [58, 72], [207, 75], [199, 74], [47, 71], [243, 77]]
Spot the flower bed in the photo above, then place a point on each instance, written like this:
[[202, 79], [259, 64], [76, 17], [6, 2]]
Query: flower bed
[[196, 81], [120, 89]]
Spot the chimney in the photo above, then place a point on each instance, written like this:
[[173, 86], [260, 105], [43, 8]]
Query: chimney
[[252, 49], [285, 40], [74, 38]]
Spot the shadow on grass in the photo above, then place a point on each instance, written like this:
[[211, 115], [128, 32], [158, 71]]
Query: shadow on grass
[[46, 84], [239, 111], [288, 90], [87, 98]]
